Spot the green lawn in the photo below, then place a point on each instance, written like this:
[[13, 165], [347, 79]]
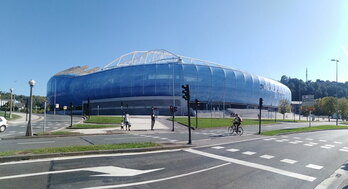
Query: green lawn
[[104, 120], [219, 122], [14, 116], [303, 129], [91, 126], [80, 148], [57, 133]]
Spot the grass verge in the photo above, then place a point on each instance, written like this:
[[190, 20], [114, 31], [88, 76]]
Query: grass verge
[[57, 133], [303, 129], [14, 116], [219, 122], [104, 119], [79, 148], [91, 126]]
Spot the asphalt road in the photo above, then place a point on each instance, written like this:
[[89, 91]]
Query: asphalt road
[[291, 161], [53, 122], [179, 136]]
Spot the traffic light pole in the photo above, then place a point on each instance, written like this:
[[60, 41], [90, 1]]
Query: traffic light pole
[[173, 120], [260, 107], [189, 121], [186, 96]]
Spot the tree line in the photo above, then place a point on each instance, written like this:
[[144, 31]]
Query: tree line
[[38, 101], [324, 93], [318, 88]]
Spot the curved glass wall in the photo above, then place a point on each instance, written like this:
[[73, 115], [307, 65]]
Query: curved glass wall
[[209, 84]]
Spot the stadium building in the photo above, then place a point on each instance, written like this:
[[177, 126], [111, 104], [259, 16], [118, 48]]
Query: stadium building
[[139, 81]]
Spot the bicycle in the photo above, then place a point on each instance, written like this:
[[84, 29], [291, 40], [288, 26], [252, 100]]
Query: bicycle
[[233, 129]]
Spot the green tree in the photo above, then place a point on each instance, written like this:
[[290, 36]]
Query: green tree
[[284, 107], [343, 107], [328, 106]]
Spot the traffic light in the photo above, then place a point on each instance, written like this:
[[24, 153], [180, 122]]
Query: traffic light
[[173, 108], [186, 92], [260, 102]]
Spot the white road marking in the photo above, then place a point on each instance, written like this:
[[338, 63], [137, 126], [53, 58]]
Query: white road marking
[[337, 142], [43, 142], [123, 138], [233, 150], [296, 142], [156, 180], [164, 138], [308, 144], [309, 139], [323, 140], [290, 161], [343, 150], [254, 165], [249, 153], [218, 147], [296, 137], [105, 170], [173, 140], [312, 166], [266, 156], [329, 145], [325, 147], [155, 137]]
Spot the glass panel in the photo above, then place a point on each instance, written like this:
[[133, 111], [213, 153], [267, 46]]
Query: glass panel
[[204, 80]]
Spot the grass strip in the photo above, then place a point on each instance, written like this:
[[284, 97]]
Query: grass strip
[[79, 148], [14, 116], [91, 126], [104, 119], [58, 133], [303, 129], [219, 122]]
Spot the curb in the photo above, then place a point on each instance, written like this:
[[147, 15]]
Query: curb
[[305, 132], [65, 154], [56, 136]]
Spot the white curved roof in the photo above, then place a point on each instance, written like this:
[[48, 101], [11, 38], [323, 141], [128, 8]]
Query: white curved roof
[[155, 57]]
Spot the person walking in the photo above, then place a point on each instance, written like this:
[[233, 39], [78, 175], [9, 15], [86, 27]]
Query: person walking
[[153, 119], [127, 121]]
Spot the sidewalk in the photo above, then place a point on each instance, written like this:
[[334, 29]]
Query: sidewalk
[[139, 123], [34, 117]]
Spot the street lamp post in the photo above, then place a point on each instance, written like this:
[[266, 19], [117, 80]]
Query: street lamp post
[[335, 60], [29, 128], [11, 90]]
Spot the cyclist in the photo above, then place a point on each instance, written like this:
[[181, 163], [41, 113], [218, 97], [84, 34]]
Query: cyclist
[[237, 121]]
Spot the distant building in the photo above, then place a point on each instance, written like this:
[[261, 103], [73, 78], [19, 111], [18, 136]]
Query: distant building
[[3, 102], [138, 81]]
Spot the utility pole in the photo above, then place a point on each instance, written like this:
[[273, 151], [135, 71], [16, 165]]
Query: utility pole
[[11, 103], [196, 102], [335, 60], [71, 114], [29, 128]]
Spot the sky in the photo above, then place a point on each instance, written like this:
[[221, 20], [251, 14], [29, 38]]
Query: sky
[[270, 38]]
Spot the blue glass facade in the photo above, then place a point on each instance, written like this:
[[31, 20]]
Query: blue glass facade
[[209, 84]]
